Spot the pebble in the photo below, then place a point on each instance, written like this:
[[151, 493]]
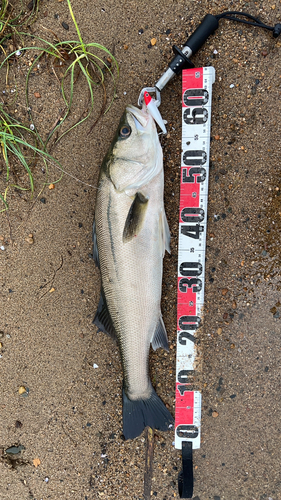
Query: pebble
[[30, 239], [215, 414], [224, 291], [2, 248], [14, 450], [231, 86], [1, 345], [31, 126], [65, 25], [22, 390], [51, 186], [219, 331], [37, 95], [95, 366], [1, 334], [153, 41]]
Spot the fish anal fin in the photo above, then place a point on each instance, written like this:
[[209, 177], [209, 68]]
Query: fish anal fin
[[95, 246], [160, 338], [135, 217], [103, 319]]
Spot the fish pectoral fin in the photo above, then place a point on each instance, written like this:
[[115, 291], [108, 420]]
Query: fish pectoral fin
[[164, 236], [95, 246], [160, 338], [103, 319], [135, 217]]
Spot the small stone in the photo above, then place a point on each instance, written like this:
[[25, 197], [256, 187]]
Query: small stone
[[234, 305], [217, 137], [95, 366], [52, 290], [232, 346], [22, 390], [215, 414], [264, 53], [43, 200], [125, 47], [18, 424], [65, 25], [219, 331], [231, 86], [51, 186], [2, 248], [224, 291], [1, 345], [141, 31], [31, 126], [37, 95], [1, 334], [153, 41], [29, 240]]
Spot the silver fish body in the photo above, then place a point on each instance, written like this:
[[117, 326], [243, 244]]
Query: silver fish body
[[130, 237]]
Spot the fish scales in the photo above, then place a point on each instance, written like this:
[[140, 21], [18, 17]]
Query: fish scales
[[132, 233]]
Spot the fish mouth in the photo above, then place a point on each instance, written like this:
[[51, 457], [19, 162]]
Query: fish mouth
[[140, 117]]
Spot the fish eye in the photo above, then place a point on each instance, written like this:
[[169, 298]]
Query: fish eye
[[125, 131]]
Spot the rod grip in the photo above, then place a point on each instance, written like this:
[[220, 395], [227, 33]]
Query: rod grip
[[204, 30]]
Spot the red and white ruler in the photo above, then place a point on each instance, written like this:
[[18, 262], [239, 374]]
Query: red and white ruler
[[196, 125]]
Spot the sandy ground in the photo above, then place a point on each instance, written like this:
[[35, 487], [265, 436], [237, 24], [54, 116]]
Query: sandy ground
[[71, 419]]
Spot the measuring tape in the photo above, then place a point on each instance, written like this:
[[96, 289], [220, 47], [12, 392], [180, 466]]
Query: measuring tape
[[196, 125]]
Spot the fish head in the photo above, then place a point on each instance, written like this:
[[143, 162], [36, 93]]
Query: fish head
[[136, 155]]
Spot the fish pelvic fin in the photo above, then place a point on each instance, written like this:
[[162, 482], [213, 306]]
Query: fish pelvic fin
[[164, 233], [135, 217], [103, 319], [160, 338], [141, 413]]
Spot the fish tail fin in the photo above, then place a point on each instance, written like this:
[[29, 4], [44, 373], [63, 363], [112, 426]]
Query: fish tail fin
[[141, 413]]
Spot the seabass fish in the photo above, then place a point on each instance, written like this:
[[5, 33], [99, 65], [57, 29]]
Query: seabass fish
[[130, 237]]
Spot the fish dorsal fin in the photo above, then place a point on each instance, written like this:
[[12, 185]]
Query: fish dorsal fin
[[135, 217], [164, 233], [160, 338], [103, 319], [95, 246]]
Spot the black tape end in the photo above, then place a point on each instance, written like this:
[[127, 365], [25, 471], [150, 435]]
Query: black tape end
[[185, 479]]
